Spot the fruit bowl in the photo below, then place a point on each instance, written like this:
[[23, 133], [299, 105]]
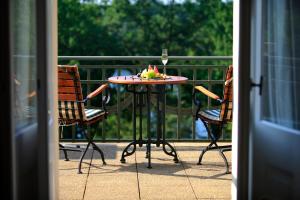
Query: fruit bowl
[[151, 73]]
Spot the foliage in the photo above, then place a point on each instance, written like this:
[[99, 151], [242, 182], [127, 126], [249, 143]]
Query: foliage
[[143, 27]]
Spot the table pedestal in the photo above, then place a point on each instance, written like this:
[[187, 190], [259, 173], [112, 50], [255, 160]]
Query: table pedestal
[[138, 102]]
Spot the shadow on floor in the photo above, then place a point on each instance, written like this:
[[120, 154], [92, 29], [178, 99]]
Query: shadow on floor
[[165, 169], [109, 150], [161, 166]]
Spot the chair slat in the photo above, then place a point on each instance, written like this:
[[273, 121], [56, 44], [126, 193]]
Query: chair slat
[[70, 90], [66, 76], [226, 108], [69, 93], [66, 69], [67, 97], [69, 83]]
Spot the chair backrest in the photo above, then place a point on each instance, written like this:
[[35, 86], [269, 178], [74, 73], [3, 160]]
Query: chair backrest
[[70, 98], [226, 107]]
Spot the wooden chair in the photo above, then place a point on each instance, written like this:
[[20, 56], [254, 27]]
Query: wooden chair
[[72, 110], [215, 119]]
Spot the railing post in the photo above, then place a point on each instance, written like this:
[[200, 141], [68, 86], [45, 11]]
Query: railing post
[[118, 108], [103, 122], [209, 72], [193, 107], [88, 90], [178, 108]]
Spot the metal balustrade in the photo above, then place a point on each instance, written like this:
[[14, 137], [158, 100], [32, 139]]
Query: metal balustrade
[[180, 124]]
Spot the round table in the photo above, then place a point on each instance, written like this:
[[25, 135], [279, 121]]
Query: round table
[[148, 87], [135, 80]]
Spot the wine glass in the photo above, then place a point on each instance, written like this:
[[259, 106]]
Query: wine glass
[[164, 58]]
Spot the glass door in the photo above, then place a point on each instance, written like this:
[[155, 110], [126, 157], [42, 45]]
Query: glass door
[[275, 110], [24, 75]]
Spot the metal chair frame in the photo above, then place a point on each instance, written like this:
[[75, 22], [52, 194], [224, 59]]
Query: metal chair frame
[[225, 103]]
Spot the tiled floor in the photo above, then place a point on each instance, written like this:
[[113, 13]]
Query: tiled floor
[[133, 180]]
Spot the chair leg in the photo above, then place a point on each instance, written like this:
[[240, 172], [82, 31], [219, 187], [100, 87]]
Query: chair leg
[[221, 149], [100, 151], [95, 147], [225, 160], [203, 152], [221, 152], [61, 147], [209, 146], [82, 156]]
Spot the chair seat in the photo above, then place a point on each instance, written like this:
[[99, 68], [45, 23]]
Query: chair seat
[[212, 115], [93, 113]]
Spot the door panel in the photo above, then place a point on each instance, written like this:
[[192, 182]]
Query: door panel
[[275, 128], [24, 75]]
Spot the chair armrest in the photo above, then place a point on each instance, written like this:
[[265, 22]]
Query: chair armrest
[[106, 97], [97, 91], [207, 93], [229, 81]]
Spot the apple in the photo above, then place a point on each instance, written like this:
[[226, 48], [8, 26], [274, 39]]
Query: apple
[[156, 70], [150, 67], [151, 73], [144, 73]]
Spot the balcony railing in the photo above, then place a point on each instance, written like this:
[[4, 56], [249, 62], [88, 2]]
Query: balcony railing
[[180, 124]]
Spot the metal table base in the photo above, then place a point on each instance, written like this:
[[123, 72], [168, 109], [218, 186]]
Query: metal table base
[[139, 95]]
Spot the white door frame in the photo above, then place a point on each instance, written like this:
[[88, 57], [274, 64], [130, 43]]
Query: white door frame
[[50, 82], [47, 98]]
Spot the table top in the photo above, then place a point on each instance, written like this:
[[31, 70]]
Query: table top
[[133, 79]]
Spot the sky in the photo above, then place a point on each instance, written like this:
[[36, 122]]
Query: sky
[[165, 1], [181, 1]]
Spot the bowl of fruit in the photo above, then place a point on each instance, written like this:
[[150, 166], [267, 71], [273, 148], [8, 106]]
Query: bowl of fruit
[[152, 73]]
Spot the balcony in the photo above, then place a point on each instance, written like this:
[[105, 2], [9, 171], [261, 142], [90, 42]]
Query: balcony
[[133, 180]]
